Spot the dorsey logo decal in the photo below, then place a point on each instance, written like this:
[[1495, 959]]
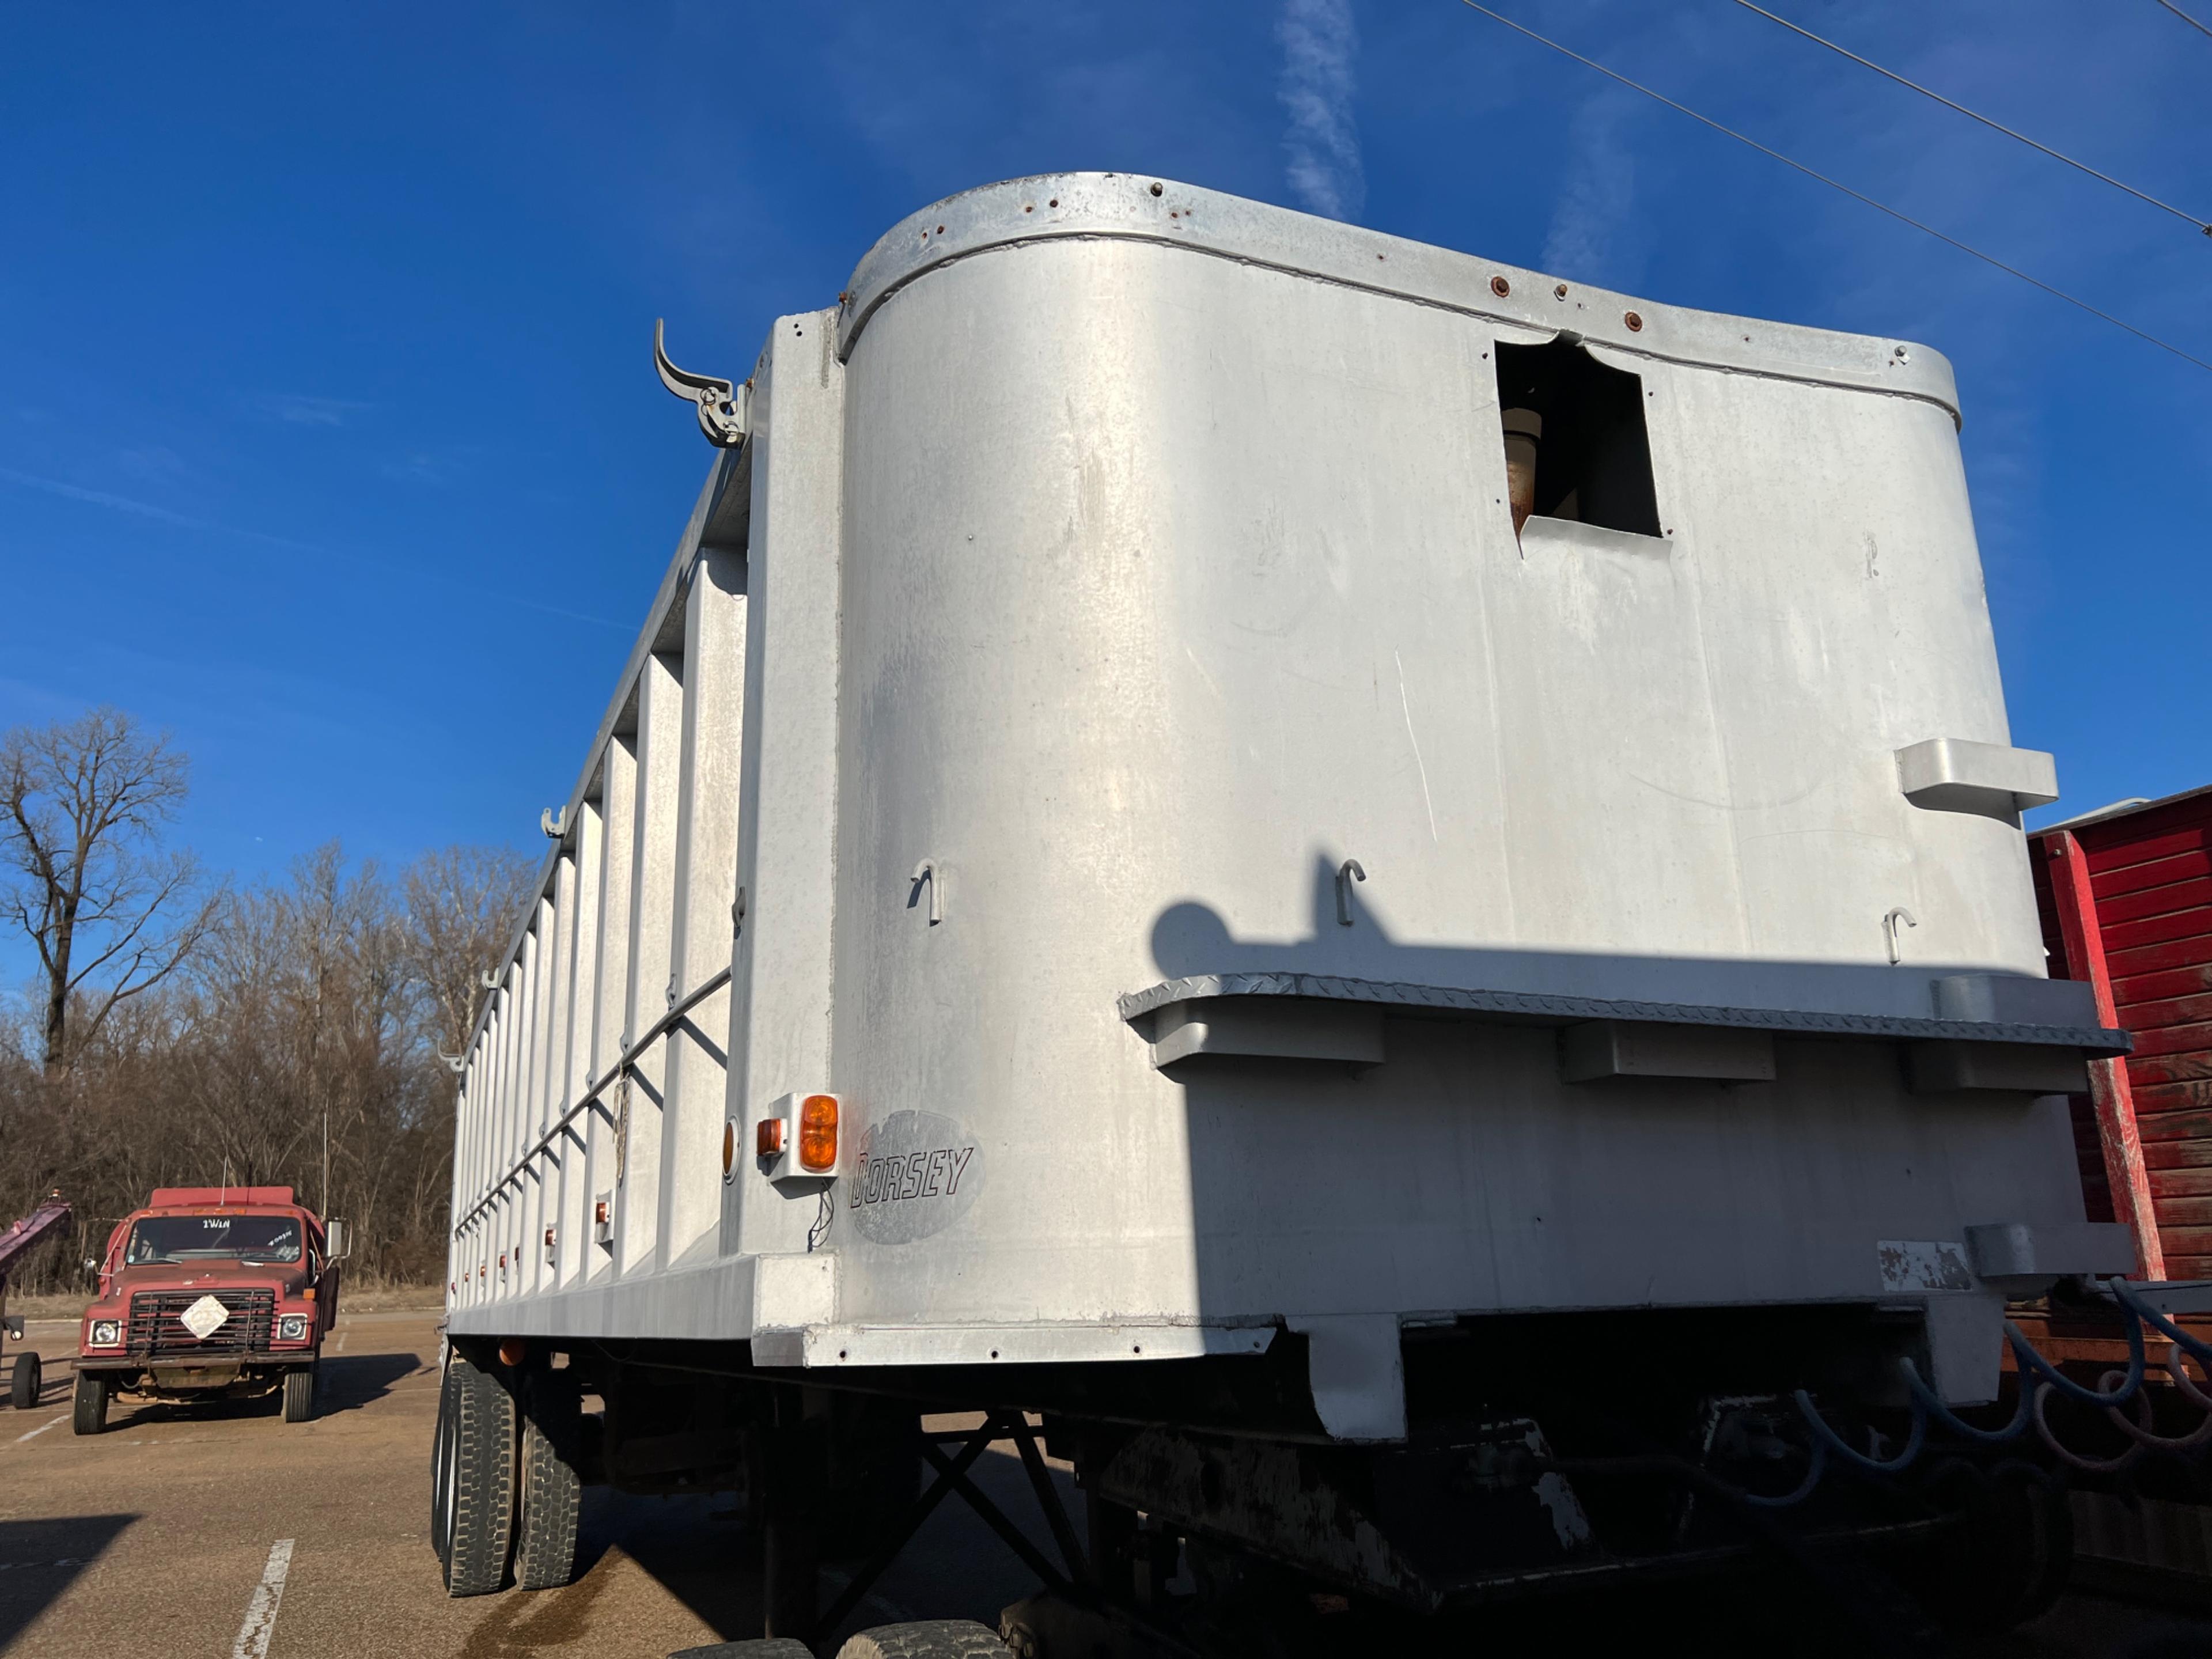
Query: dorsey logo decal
[[914, 1174]]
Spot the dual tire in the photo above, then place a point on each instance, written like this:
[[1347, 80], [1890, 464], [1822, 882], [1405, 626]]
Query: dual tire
[[504, 1487]]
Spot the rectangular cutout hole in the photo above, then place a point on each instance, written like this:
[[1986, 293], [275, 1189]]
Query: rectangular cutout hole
[[1592, 452]]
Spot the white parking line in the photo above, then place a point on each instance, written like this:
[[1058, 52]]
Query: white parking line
[[41, 1428], [261, 1611]]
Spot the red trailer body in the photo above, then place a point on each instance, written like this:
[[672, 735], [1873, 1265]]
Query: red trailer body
[[2126, 897]]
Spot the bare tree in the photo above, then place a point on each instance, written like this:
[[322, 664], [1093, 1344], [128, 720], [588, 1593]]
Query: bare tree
[[82, 805], [461, 904]]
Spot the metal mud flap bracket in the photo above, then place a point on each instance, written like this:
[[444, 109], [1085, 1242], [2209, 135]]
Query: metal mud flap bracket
[[1415, 1525]]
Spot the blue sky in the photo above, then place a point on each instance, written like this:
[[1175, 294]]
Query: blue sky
[[329, 438]]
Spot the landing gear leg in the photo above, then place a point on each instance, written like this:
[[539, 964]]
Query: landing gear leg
[[794, 1472]]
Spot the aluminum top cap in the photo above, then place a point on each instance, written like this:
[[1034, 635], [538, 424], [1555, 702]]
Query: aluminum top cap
[[1139, 207]]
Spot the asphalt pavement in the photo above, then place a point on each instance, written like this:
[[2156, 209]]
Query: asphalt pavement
[[228, 1534]]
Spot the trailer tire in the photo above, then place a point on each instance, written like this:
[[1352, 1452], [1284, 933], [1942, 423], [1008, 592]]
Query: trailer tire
[[26, 1384], [441, 1467], [2007, 1561], [299, 1394], [930, 1639], [89, 1412], [480, 1480], [552, 1503]]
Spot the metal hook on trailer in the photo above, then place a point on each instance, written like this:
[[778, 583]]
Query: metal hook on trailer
[[1346, 873], [724, 411], [927, 871], [1889, 930]]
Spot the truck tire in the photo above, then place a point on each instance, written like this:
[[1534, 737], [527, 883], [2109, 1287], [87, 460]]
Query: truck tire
[[930, 1639], [24, 1386], [89, 1415], [480, 1480], [552, 1502], [441, 1471], [2006, 1561], [300, 1394]]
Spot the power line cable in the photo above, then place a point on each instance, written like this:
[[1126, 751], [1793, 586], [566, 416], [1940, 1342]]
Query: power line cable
[[1856, 196], [1972, 115], [2200, 27]]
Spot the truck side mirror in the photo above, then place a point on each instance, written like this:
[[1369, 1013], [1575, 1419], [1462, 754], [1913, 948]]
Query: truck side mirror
[[336, 1245]]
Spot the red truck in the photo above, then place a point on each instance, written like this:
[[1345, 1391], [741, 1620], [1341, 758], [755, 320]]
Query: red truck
[[210, 1292]]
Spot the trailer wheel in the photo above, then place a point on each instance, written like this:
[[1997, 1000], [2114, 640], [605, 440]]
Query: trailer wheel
[[300, 1394], [930, 1638], [90, 1413], [2005, 1561], [480, 1484], [24, 1386], [441, 1470], [552, 1502]]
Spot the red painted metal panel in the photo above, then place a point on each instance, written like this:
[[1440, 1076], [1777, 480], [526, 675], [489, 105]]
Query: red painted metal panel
[[2135, 989], [2157, 958], [2148, 878], [2179, 1042], [2126, 854], [2125, 1171], [2144, 1015], [2194, 924], [2154, 873], [2167, 899]]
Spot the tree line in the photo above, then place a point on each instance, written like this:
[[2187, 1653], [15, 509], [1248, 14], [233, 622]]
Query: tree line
[[182, 1030]]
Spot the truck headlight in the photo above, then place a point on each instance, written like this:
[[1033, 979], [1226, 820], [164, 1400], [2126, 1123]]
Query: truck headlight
[[106, 1333], [291, 1327]]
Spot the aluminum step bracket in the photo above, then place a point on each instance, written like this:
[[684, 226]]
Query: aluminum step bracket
[[2023, 1258], [2008, 1068], [1617, 1048], [2015, 999], [1356, 1372], [1255, 1030], [1953, 775]]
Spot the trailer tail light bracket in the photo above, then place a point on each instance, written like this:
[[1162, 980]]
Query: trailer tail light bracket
[[798, 1141], [602, 1221]]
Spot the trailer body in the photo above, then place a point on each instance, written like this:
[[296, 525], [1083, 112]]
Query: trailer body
[[1253, 912]]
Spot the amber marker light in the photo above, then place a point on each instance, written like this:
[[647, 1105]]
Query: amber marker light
[[729, 1147], [817, 1133], [768, 1138]]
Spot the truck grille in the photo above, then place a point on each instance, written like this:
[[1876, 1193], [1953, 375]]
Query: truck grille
[[154, 1326]]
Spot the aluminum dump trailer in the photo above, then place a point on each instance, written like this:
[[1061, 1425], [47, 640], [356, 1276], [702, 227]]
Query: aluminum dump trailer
[[1342, 868]]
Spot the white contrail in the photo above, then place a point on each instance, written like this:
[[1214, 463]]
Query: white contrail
[[1319, 46]]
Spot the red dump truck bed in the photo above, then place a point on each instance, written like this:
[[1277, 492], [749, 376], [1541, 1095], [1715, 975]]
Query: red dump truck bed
[[2126, 899]]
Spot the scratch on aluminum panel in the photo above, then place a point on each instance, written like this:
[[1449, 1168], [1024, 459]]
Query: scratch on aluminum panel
[[1405, 704]]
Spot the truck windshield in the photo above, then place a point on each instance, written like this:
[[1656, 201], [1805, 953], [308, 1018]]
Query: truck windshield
[[199, 1237]]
